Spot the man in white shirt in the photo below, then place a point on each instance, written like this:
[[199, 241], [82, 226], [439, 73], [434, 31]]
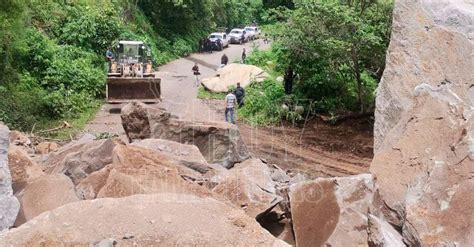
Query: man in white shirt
[[230, 101]]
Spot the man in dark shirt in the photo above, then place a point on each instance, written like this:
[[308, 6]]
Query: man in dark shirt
[[239, 94], [224, 60], [289, 77]]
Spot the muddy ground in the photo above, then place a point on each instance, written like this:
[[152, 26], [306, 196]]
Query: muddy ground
[[313, 147]]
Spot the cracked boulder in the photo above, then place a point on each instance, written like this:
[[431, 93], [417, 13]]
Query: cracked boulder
[[137, 170], [332, 211], [219, 142], [187, 155], [78, 161], [145, 220], [9, 205], [424, 124], [249, 186]]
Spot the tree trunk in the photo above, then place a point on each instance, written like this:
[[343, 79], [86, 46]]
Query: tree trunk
[[360, 85]]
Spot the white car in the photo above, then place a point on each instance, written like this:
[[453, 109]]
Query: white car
[[213, 37], [254, 32], [238, 36]]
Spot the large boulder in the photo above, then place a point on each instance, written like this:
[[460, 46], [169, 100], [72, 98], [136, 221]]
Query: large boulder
[[23, 169], [424, 126], [232, 74], [187, 155], [44, 194], [81, 160], [249, 186], [137, 170], [424, 123], [142, 220], [9, 205], [219, 142], [332, 211]]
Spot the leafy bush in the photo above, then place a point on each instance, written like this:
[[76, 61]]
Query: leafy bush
[[263, 102]]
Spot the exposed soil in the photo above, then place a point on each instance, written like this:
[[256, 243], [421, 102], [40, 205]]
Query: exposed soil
[[316, 149]]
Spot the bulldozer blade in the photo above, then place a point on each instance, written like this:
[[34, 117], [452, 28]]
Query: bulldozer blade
[[123, 90]]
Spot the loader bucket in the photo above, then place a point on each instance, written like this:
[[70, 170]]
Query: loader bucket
[[123, 90]]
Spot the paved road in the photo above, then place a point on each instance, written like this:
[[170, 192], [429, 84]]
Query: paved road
[[178, 90]]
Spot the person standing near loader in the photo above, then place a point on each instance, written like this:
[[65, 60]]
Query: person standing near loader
[[229, 104], [239, 94]]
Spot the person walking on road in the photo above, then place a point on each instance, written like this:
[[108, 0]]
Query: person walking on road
[[196, 73], [224, 60], [244, 55], [229, 103], [239, 94]]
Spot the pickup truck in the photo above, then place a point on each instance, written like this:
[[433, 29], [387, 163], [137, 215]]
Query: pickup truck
[[238, 36]]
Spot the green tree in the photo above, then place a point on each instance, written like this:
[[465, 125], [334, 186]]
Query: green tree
[[338, 49]]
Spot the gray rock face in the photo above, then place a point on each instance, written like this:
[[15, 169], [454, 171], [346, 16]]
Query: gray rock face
[[429, 44], [219, 142], [424, 127], [9, 205]]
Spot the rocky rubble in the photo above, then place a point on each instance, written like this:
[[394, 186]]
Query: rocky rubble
[[142, 220], [9, 205], [424, 124], [219, 142]]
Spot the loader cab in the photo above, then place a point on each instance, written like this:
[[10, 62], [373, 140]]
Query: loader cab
[[132, 52]]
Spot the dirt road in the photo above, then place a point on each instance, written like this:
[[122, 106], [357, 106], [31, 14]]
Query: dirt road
[[178, 90], [316, 149]]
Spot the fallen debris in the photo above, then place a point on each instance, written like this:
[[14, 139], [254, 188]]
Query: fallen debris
[[177, 223], [232, 74], [219, 142]]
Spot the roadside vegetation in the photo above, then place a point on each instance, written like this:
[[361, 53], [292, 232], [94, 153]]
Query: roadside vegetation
[[336, 48], [52, 65]]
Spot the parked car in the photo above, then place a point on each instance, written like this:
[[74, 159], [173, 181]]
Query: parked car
[[238, 36], [223, 37], [254, 32]]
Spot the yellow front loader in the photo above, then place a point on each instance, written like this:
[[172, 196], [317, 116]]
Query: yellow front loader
[[131, 76]]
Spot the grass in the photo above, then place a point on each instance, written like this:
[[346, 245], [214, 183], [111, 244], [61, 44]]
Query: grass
[[77, 124], [206, 94]]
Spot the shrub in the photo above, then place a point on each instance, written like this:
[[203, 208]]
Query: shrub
[[263, 102]]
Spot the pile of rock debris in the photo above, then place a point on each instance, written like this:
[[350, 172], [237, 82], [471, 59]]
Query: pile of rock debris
[[182, 183]]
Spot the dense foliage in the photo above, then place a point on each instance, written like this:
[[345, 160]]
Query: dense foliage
[[52, 64], [337, 49]]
